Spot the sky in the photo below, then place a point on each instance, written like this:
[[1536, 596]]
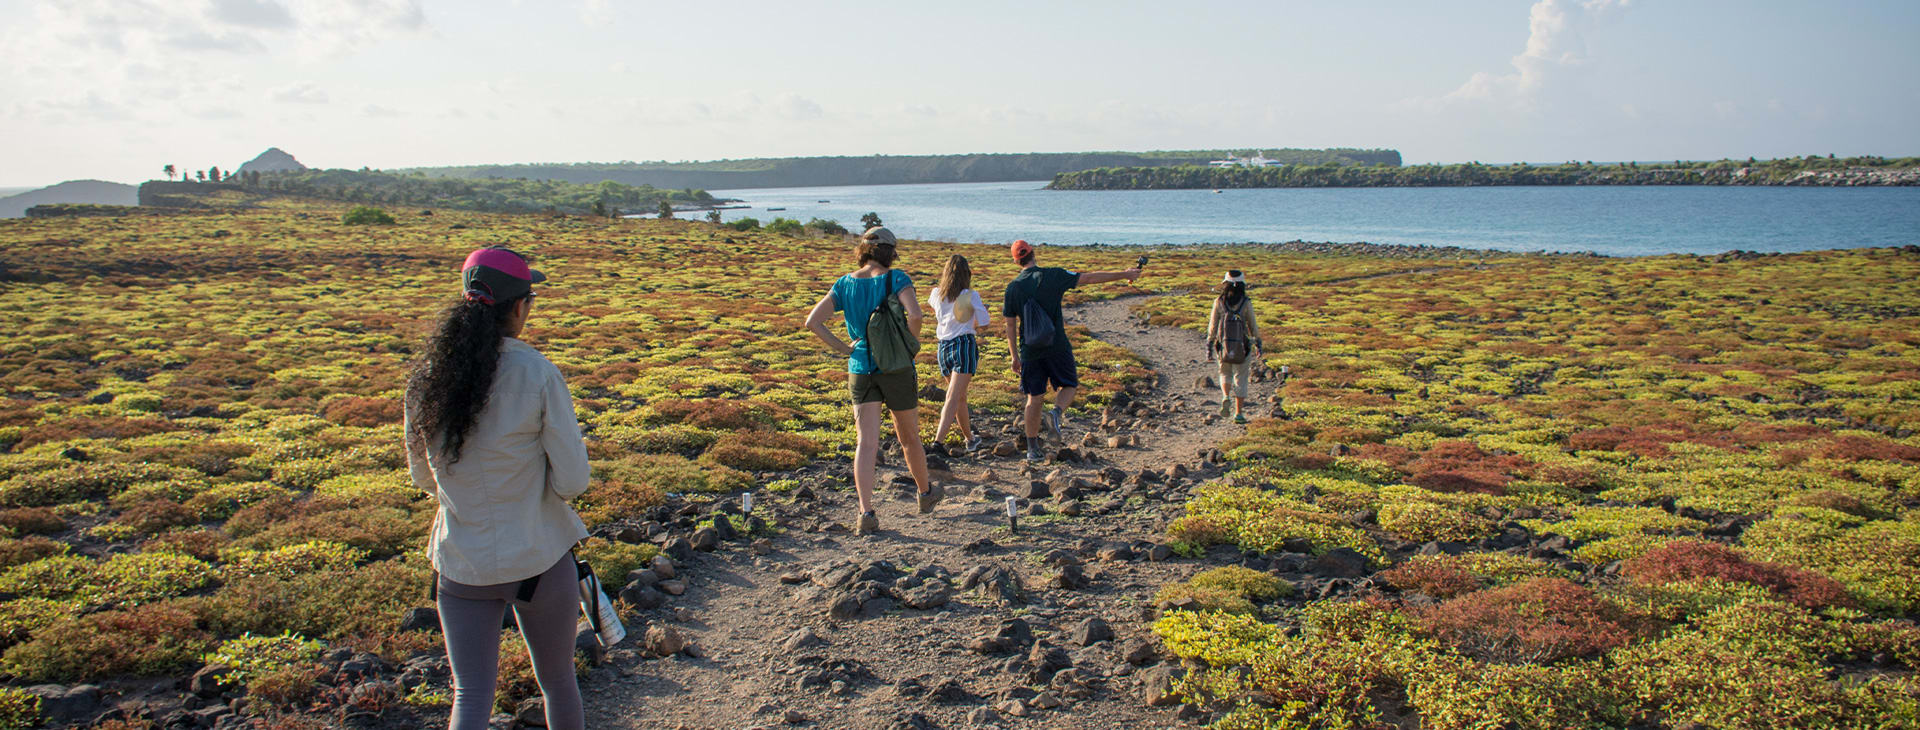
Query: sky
[[116, 89]]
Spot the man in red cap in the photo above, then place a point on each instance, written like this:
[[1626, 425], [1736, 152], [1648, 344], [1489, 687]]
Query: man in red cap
[[1036, 334]]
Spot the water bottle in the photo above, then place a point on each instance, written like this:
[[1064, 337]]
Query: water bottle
[[746, 503]]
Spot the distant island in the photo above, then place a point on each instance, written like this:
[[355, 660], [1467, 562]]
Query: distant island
[[1803, 171], [276, 172], [80, 192], [886, 169]]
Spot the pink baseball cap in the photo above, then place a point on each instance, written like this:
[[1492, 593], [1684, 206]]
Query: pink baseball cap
[[497, 274]]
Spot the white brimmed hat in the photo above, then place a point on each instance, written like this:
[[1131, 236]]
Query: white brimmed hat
[[1234, 277]]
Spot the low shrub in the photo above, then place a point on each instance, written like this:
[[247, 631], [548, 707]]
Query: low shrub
[[1746, 666], [19, 709], [762, 451], [55, 576], [151, 640], [31, 521], [251, 657], [291, 687], [381, 531], [156, 515], [26, 550], [204, 544], [1256, 519], [354, 410], [366, 215], [1184, 596], [612, 560], [1426, 521], [1244, 581], [1433, 576], [1684, 560], [331, 605], [222, 501], [136, 578], [672, 474], [78, 482], [607, 501], [288, 561], [20, 617], [1539, 621], [719, 414], [1232, 588]]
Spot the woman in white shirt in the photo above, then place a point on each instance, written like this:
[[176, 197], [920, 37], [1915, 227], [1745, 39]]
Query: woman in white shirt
[[491, 434], [959, 311]]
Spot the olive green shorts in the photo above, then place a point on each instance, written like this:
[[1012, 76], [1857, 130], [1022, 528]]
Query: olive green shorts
[[898, 390]]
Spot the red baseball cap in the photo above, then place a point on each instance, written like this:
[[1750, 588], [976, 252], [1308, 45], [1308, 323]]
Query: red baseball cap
[[1021, 249]]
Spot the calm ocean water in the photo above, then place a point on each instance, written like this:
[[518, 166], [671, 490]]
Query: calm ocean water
[[1618, 221]]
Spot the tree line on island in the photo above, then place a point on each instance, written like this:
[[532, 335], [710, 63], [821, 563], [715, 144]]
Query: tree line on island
[[1809, 170], [374, 187]]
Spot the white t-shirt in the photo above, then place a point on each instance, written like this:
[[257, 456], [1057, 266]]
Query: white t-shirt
[[943, 313]]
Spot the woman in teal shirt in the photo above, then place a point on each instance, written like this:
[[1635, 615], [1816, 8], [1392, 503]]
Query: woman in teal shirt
[[856, 295]]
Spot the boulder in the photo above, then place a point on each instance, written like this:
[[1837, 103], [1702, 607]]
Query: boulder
[[1340, 562], [662, 640], [1156, 685], [802, 638], [1089, 632], [706, 539]]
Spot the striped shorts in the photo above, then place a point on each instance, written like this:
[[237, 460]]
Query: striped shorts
[[959, 355]]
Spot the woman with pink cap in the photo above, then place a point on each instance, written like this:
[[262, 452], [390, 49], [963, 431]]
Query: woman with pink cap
[[491, 434]]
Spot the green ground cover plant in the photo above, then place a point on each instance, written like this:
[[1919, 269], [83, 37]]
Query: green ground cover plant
[[1717, 454], [215, 398], [209, 404]]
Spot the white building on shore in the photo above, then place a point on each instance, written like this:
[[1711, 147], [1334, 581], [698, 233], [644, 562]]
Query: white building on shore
[[1257, 160]]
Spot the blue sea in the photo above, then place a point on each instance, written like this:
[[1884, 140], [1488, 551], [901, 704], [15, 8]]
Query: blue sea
[[1614, 221]]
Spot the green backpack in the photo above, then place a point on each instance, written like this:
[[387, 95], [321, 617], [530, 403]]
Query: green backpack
[[890, 342]]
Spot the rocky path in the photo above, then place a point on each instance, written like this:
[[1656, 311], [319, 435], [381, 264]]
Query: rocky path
[[948, 620]]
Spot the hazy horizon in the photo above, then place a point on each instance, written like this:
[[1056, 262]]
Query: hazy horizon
[[115, 89]]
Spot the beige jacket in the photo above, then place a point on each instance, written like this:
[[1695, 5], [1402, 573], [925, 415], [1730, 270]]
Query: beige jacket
[[504, 515]]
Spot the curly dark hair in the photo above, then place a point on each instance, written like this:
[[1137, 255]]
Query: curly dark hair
[[451, 380]]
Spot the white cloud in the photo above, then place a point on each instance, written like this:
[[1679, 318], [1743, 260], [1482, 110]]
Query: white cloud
[[300, 94], [128, 54], [253, 13], [379, 112], [1556, 41]]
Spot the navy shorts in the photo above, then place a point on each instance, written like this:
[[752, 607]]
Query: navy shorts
[[959, 355], [1059, 369]]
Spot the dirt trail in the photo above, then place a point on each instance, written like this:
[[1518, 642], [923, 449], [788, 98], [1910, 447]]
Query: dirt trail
[[903, 667]]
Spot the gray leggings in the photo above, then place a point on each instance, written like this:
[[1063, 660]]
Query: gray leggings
[[471, 617]]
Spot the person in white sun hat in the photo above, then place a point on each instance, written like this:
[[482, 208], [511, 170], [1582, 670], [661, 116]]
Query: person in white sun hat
[[1233, 338]]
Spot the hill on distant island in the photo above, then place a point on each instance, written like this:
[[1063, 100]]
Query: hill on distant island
[[885, 169], [92, 192], [272, 160]]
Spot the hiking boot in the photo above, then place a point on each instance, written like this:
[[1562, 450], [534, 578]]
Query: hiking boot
[[1033, 450], [973, 444], [868, 525], [1053, 424], [1239, 417], [1226, 408], [931, 497]]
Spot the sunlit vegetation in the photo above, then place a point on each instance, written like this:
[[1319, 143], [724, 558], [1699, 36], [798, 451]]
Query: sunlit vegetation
[[201, 438], [1683, 489]]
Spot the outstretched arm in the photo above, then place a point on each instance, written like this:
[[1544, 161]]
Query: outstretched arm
[[817, 321], [1102, 277]]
